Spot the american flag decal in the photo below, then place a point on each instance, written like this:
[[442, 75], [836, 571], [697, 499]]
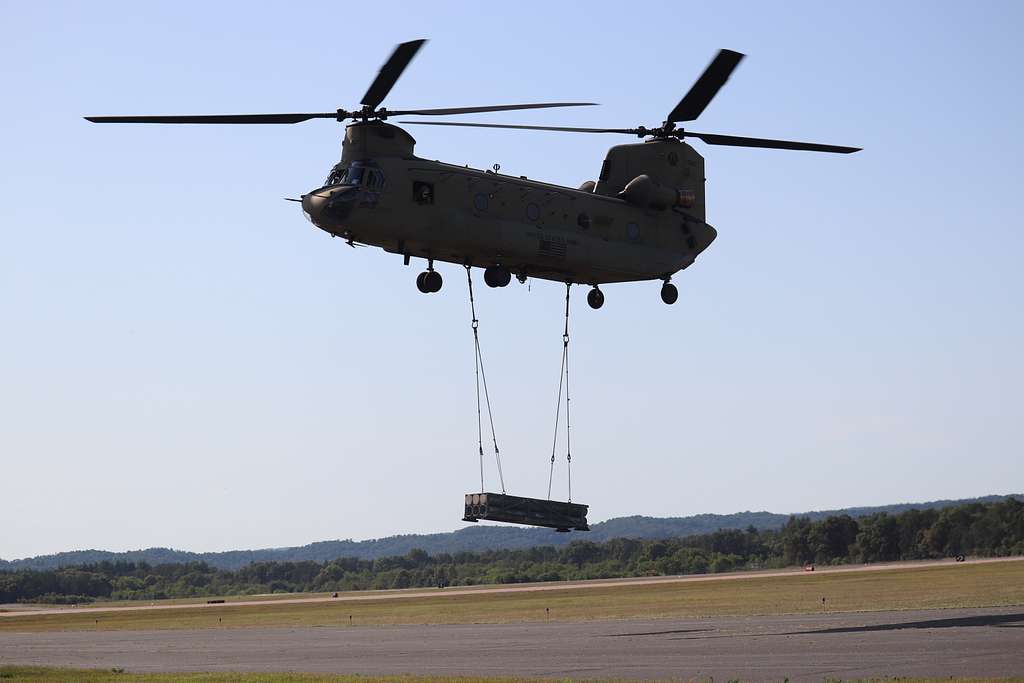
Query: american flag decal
[[551, 249]]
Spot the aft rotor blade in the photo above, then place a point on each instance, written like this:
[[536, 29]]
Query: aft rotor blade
[[707, 86], [217, 118], [496, 107], [390, 72], [734, 141], [561, 129]]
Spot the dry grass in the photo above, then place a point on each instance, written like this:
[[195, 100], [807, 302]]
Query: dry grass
[[970, 585], [41, 674]]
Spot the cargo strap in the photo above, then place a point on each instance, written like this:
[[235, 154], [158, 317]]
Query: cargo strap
[[563, 378], [480, 374]]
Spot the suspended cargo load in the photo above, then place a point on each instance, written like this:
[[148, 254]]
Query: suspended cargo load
[[498, 507]]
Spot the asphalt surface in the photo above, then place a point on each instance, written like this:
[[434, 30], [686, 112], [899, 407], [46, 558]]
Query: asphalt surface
[[966, 642]]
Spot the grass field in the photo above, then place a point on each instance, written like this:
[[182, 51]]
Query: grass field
[[40, 674], [969, 585]]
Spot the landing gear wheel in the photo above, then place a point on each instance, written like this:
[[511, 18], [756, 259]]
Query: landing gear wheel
[[497, 276], [432, 280], [595, 298], [669, 293], [421, 282]]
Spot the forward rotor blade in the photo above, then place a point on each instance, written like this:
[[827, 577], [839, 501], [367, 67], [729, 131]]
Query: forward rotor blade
[[216, 118], [707, 86], [734, 141], [561, 129], [477, 110], [390, 72]]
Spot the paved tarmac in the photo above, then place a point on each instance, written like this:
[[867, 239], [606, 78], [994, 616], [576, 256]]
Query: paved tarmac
[[965, 642]]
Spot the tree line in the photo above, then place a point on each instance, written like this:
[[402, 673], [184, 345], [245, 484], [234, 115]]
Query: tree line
[[981, 529]]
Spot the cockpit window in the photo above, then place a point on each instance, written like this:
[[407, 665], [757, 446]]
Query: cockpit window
[[337, 173], [356, 174]]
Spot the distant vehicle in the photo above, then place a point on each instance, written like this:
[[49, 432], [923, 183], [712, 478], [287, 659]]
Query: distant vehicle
[[643, 219]]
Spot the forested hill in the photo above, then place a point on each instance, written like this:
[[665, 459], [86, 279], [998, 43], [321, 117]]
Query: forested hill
[[473, 539]]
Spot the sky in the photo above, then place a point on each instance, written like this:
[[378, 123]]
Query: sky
[[185, 361]]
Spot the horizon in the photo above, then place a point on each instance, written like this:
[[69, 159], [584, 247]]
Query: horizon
[[498, 525]]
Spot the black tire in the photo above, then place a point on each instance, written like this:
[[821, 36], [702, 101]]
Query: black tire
[[421, 282], [595, 298], [433, 281], [497, 276], [669, 293], [489, 277]]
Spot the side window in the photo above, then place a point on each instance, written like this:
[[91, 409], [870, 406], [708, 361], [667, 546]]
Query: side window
[[422, 193], [605, 170]]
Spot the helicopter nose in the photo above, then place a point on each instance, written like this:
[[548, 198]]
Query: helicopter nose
[[329, 209], [313, 206]]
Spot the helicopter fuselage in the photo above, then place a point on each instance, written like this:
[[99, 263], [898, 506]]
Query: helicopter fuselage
[[643, 219], [380, 194]]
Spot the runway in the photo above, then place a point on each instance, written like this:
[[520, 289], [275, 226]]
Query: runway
[[963, 642]]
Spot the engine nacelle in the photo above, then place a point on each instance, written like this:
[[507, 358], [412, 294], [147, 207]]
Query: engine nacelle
[[647, 193]]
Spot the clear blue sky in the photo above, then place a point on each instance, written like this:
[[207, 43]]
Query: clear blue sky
[[185, 361]]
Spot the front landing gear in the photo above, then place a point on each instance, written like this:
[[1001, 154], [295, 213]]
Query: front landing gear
[[669, 293], [429, 281], [595, 298], [497, 276]]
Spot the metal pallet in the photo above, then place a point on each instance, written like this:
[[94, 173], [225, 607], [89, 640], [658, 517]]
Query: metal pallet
[[499, 507]]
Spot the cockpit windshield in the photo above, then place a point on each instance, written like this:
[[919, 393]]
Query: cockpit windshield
[[339, 176], [356, 174]]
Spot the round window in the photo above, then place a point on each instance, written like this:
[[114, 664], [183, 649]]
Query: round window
[[632, 231], [532, 211], [480, 202], [583, 220]]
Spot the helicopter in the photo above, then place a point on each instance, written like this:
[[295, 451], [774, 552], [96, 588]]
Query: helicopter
[[643, 219]]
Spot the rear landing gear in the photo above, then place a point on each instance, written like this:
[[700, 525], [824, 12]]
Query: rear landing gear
[[595, 298], [429, 281], [669, 293]]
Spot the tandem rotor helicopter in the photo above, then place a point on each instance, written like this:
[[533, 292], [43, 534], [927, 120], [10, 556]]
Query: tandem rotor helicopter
[[643, 219]]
